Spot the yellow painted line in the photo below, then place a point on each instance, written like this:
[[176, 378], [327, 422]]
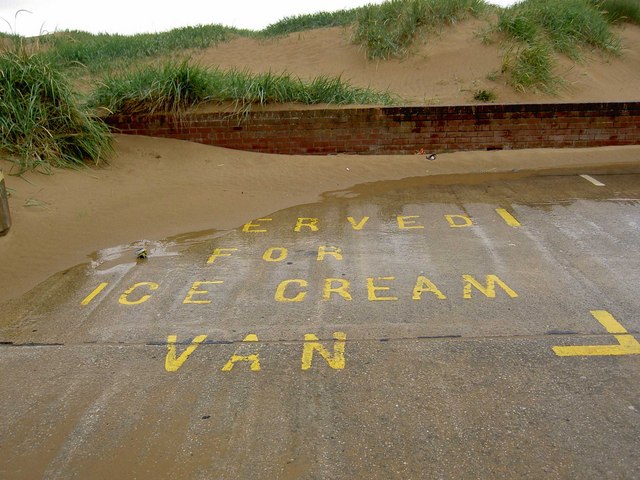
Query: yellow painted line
[[508, 218], [627, 344], [589, 178], [608, 322], [94, 294]]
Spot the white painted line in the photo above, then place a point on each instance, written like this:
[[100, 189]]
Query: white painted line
[[592, 180]]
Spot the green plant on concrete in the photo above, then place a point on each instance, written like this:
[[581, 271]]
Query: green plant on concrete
[[179, 86], [41, 123], [388, 30]]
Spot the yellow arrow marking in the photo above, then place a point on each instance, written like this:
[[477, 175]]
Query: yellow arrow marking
[[627, 345]]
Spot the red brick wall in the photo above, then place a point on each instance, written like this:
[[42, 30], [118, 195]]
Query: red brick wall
[[399, 130]]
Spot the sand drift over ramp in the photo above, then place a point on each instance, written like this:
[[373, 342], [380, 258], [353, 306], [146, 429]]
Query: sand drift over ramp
[[398, 327]]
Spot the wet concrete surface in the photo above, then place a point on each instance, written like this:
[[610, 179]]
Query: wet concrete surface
[[450, 297]]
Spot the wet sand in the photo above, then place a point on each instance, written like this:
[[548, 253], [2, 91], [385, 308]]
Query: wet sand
[[159, 188]]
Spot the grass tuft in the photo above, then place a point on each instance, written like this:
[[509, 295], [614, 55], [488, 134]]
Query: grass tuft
[[619, 11], [388, 30], [567, 25], [311, 21], [531, 66], [171, 88], [179, 86], [484, 95], [96, 52], [540, 28], [41, 122]]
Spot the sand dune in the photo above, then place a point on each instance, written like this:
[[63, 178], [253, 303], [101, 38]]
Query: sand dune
[[443, 68]]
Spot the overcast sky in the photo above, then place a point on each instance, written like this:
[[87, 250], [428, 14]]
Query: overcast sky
[[137, 16]]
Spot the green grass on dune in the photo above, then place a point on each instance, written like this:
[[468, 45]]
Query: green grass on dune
[[300, 23], [542, 28], [42, 125], [567, 25], [100, 51], [388, 30], [385, 30], [531, 66], [179, 86], [619, 11]]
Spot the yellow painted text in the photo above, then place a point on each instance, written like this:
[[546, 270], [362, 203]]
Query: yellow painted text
[[282, 290], [253, 358], [173, 363], [312, 344], [125, 300], [194, 290], [488, 290]]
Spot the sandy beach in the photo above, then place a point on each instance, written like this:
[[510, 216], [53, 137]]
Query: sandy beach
[[156, 188]]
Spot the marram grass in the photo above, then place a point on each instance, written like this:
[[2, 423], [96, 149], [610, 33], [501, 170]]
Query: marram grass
[[176, 87], [388, 30], [542, 28], [619, 11], [42, 124], [98, 52], [300, 23]]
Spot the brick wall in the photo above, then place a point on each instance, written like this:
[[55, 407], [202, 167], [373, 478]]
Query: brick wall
[[399, 130]]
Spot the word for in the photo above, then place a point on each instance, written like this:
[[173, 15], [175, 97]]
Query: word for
[[296, 289], [311, 345], [279, 254], [404, 222]]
